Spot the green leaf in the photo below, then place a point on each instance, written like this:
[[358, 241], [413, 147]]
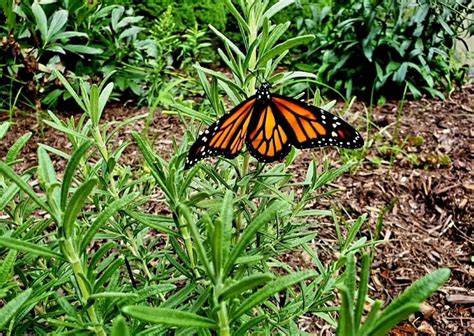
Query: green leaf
[[228, 42], [47, 178], [445, 26], [104, 216], [58, 21], [21, 245], [4, 129], [71, 91], [244, 329], [275, 9], [65, 129], [114, 295], [387, 321], [242, 23], [184, 211], [9, 173], [104, 97], [41, 20], [363, 289], [7, 266], [9, 310], [17, 147], [169, 316], [273, 287], [82, 49], [250, 232], [10, 192], [282, 47], [119, 327], [350, 277], [245, 284], [75, 205], [345, 325], [94, 104], [70, 169], [227, 213], [420, 290], [371, 317]]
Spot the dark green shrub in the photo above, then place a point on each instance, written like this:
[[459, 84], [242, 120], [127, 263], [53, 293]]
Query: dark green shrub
[[186, 13], [90, 41], [383, 45]]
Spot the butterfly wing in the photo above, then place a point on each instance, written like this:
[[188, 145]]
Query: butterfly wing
[[310, 126], [267, 139], [225, 137]]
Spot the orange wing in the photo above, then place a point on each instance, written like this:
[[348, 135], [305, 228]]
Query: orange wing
[[309, 126], [267, 138], [226, 137]]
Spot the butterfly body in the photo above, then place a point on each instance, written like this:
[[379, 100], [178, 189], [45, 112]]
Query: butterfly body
[[269, 124]]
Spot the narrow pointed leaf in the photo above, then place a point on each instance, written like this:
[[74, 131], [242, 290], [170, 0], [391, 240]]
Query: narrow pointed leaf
[[363, 288], [183, 210], [119, 327], [20, 245], [9, 173], [104, 216], [250, 233], [4, 129], [7, 266], [245, 284], [75, 205], [387, 321], [420, 290], [17, 147], [282, 47], [167, 316], [9, 310], [273, 287], [70, 170], [345, 325]]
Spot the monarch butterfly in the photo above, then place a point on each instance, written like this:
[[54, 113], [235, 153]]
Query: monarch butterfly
[[269, 124]]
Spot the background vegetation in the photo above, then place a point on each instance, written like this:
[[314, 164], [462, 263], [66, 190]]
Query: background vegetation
[[81, 254]]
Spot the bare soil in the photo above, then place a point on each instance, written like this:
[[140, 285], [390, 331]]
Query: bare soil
[[423, 187]]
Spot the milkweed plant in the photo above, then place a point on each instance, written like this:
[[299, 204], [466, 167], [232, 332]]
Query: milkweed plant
[[81, 254]]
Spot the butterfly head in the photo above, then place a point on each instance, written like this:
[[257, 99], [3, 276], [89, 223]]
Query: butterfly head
[[263, 92]]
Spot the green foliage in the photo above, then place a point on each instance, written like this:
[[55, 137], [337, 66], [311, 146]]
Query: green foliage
[[186, 13], [377, 47], [89, 42], [91, 258], [379, 322]]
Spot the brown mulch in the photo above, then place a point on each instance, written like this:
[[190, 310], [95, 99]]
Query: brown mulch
[[428, 179]]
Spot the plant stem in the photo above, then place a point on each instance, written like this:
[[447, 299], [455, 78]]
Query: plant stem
[[105, 155], [77, 269], [222, 317], [224, 329], [253, 32]]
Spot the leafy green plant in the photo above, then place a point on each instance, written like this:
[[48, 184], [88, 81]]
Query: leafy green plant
[[378, 46], [84, 253], [377, 321]]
